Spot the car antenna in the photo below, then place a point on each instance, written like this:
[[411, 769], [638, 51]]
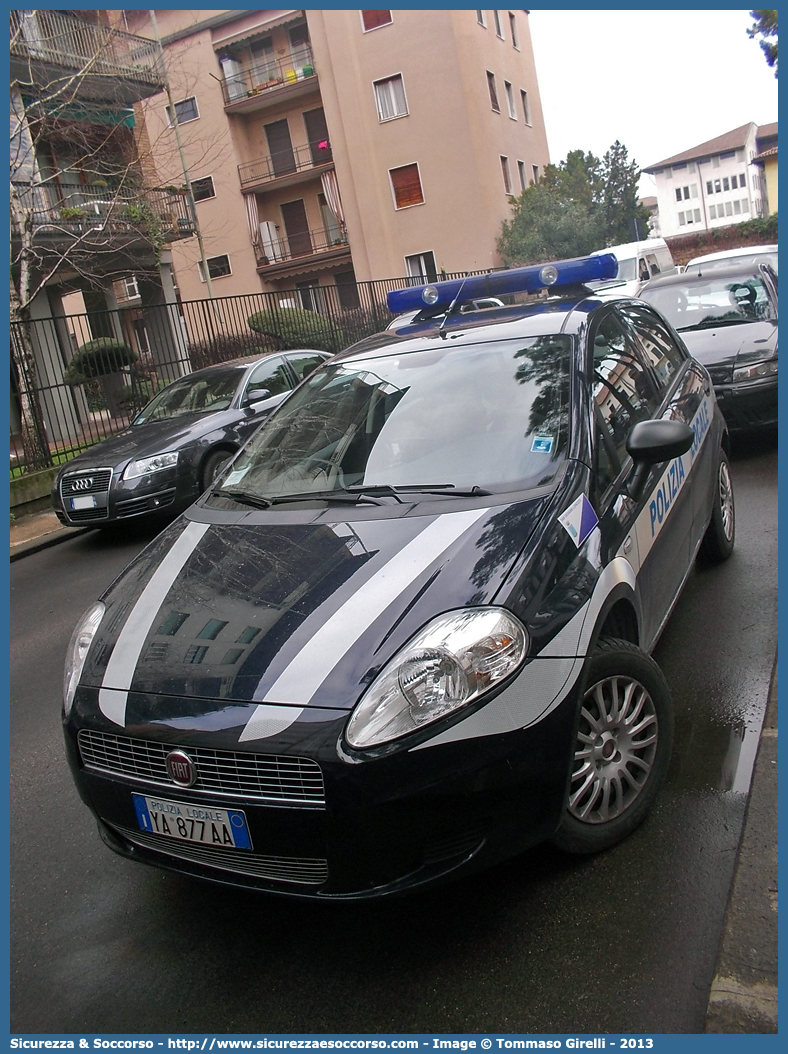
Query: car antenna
[[451, 308]]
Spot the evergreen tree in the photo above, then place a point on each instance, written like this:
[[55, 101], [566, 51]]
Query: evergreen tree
[[765, 25]]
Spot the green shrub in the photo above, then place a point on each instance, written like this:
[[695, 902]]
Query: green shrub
[[99, 358], [295, 327]]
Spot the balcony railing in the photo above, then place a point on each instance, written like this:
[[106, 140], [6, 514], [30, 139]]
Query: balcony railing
[[268, 76], [285, 162], [296, 246], [60, 210], [55, 38]]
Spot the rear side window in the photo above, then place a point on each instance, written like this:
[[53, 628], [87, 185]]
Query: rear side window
[[662, 352]]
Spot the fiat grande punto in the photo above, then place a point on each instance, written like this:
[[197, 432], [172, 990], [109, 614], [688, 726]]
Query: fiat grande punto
[[407, 632]]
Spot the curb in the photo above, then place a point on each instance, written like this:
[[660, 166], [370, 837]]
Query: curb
[[743, 996], [45, 541]]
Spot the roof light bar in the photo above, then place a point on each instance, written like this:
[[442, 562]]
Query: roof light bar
[[438, 296]]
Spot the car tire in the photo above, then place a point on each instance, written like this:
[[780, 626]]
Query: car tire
[[212, 466], [718, 541], [621, 751]]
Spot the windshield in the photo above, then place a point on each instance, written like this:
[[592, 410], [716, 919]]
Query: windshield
[[716, 302], [627, 272], [446, 417], [196, 394]]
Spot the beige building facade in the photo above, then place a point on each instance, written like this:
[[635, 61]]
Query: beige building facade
[[329, 147]]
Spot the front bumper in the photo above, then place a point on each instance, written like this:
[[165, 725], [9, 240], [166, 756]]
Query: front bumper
[[109, 498], [386, 825], [748, 406]]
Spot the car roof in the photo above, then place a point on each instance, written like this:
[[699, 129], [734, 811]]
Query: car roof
[[734, 270], [742, 250], [244, 362], [538, 318]]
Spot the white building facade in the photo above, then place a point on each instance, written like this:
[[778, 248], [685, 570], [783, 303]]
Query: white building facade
[[711, 185]]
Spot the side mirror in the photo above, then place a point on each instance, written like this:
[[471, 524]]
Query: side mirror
[[256, 395], [651, 442]]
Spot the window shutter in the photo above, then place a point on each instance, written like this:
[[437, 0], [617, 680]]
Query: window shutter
[[407, 186], [373, 19]]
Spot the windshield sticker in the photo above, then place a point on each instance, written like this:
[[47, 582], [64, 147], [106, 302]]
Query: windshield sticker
[[579, 520], [542, 445]]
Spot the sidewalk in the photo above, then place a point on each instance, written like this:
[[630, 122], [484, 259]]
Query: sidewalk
[[32, 533], [743, 997]]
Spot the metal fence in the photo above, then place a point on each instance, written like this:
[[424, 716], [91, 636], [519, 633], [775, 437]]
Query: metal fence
[[55, 415]]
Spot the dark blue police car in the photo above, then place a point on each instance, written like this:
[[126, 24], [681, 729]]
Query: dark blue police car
[[406, 633]]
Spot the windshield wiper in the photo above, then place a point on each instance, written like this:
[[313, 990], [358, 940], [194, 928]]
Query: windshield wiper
[[243, 498], [428, 488]]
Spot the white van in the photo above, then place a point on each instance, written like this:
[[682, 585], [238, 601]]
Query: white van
[[637, 263]]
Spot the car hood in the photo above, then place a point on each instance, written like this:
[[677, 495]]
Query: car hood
[[293, 609], [148, 439], [723, 347]]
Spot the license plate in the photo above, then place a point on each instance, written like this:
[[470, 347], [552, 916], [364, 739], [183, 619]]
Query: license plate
[[192, 823], [84, 501]]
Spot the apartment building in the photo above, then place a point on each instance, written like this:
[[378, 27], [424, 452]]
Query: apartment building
[[328, 147], [84, 211], [711, 185]]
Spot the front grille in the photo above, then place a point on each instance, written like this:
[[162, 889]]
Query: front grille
[[272, 778], [296, 870], [89, 481]]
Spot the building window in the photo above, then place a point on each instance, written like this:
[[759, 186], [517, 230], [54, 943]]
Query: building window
[[728, 209], [481, 18], [493, 92], [712, 212], [745, 205], [498, 26], [390, 98], [526, 107], [185, 110], [682, 221], [130, 287], [513, 30], [375, 19], [535, 170], [507, 179], [696, 215], [203, 188], [218, 267], [521, 173], [726, 183], [678, 193], [709, 187], [717, 186], [737, 208], [510, 100], [742, 180], [406, 186], [422, 267]]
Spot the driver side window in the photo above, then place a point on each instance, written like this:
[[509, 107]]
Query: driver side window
[[623, 393], [271, 375]]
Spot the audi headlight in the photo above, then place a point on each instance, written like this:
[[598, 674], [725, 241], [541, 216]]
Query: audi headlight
[[78, 647], [147, 465], [452, 661], [755, 371]]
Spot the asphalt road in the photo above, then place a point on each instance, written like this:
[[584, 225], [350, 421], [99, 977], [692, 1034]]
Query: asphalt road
[[621, 943]]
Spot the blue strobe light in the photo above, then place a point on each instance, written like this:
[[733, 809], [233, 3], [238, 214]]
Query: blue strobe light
[[437, 297]]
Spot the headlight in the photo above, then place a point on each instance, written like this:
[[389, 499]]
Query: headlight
[[150, 464], [756, 370], [81, 639], [452, 661]]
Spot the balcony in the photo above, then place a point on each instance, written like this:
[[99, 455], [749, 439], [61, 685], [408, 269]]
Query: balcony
[[251, 87], [66, 213], [49, 47], [275, 254], [296, 165]]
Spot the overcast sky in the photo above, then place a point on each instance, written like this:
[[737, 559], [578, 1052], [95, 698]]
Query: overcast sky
[[658, 81]]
